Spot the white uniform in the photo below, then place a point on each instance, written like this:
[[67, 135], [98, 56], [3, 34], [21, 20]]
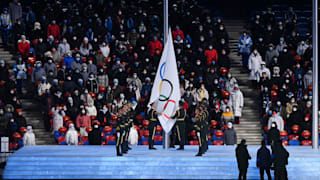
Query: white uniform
[[254, 65], [237, 102], [72, 136], [29, 137]]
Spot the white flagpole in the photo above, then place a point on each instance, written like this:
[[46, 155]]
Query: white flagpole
[[315, 114], [166, 142]]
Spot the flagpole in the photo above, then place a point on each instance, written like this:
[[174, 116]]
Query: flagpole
[[166, 142], [315, 114]]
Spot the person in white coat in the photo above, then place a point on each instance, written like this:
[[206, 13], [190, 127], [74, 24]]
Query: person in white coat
[[277, 119], [255, 61], [133, 136], [262, 70], [72, 135], [91, 109], [202, 93], [237, 103], [43, 86], [58, 114], [29, 138]]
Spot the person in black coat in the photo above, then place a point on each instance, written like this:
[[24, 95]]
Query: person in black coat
[[273, 134], [264, 160], [243, 157], [95, 135], [280, 160]]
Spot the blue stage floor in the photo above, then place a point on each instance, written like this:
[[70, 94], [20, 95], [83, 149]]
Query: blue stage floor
[[60, 162]]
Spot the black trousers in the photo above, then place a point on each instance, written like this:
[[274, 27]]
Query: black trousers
[[243, 174], [181, 132], [152, 131], [280, 174], [262, 173]]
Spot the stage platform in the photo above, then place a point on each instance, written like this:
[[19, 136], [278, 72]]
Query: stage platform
[[93, 162]]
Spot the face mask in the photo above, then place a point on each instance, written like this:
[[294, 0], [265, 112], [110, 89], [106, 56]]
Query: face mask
[[270, 48], [222, 42], [294, 109], [227, 110], [285, 50], [198, 63], [83, 111]]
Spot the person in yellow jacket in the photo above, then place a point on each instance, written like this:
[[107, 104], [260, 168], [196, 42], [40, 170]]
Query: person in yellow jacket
[[227, 116]]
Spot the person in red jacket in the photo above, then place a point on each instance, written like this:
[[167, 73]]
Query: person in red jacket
[[211, 55], [24, 46], [153, 45], [177, 32], [83, 121], [54, 30]]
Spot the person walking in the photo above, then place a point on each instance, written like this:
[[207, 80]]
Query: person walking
[[243, 157], [264, 160], [230, 135]]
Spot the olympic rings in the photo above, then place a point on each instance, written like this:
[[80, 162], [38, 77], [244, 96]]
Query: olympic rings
[[163, 97]]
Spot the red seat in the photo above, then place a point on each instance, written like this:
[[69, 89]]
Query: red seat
[[158, 138], [284, 142], [193, 134], [96, 122], [146, 133], [214, 123], [283, 134], [102, 135], [209, 137], [22, 130], [293, 137], [159, 129], [93, 118], [107, 129], [218, 143], [13, 146], [63, 130], [16, 136], [61, 139], [68, 123], [102, 89], [193, 142], [219, 134], [103, 143], [80, 143], [306, 143], [145, 123], [295, 128], [139, 118], [145, 143], [266, 129], [66, 119], [88, 129], [306, 134], [84, 138]]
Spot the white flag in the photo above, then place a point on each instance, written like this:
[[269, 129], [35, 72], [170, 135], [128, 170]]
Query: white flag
[[166, 88]]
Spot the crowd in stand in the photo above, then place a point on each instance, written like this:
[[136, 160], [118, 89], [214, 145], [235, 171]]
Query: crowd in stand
[[278, 54], [87, 59]]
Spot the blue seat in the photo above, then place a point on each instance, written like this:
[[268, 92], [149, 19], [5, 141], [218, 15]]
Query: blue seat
[[20, 142], [111, 142], [294, 143], [63, 143], [158, 142], [143, 139], [56, 135]]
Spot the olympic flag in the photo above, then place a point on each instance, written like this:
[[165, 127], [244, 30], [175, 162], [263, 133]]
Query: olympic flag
[[166, 88]]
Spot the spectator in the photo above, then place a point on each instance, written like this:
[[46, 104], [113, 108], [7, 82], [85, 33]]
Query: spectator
[[277, 119], [85, 47], [58, 115], [244, 47], [29, 137], [15, 10], [95, 135], [54, 30], [154, 45], [230, 135], [24, 46], [72, 135], [243, 157], [237, 103], [273, 134], [5, 25], [211, 55], [255, 61], [271, 52], [37, 73], [202, 93], [264, 160], [63, 47], [307, 79], [20, 71], [227, 116], [83, 121], [50, 66]]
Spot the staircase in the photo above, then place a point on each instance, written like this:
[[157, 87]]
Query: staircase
[[249, 127], [30, 107]]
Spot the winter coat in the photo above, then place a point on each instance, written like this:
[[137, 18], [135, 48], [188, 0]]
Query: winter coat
[[245, 44], [43, 87], [301, 49], [92, 85], [83, 121], [175, 33], [50, 66], [24, 47], [243, 157], [20, 71], [105, 50], [54, 30], [278, 120], [67, 61], [37, 74], [92, 69], [229, 84], [227, 117], [269, 56], [201, 94], [263, 70], [280, 156], [133, 136], [230, 137], [307, 79], [95, 137], [103, 80], [153, 45], [29, 138], [264, 158], [211, 55], [63, 49], [15, 10], [75, 65], [135, 80], [84, 49], [92, 111], [72, 136], [57, 120], [254, 65], [237, 102]]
